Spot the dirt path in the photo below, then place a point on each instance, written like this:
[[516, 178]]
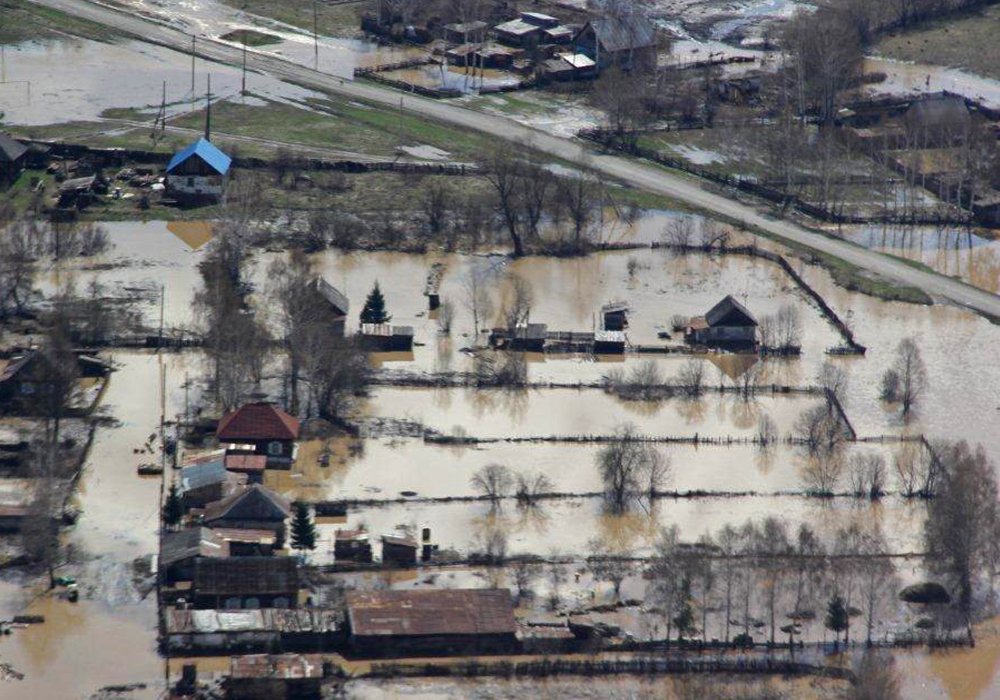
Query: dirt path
[[635, 173]]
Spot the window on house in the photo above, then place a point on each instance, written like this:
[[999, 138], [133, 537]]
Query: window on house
[[190, 182], [274, 448], [232, 603], [27, 388], [252, 604]]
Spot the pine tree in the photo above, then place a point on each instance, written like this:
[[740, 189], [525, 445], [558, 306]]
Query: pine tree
[[303, 530], [374, 311], [173, 509], [836, 618]]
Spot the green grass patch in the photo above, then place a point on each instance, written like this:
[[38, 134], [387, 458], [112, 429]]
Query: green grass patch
[[331, 20], [251, 38], [21, 20], [967, 40]]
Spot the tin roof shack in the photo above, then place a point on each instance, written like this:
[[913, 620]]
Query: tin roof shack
[[198, 174], [529, 337], [274, 677], [332, 306], [398, 550], [614, 316], [519, 33], [352, 545], [381, 337], [252, 466], [251, 508], [417, 622], [465, 32], [609, 343], [305, 629], [179, 551], [727, 325], [569, 66], [627, 42], [206, 480], [260, 428], [13, 155], [245, 583], [80, 192]]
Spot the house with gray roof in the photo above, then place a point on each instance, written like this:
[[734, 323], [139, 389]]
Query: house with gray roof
[[628, 41]]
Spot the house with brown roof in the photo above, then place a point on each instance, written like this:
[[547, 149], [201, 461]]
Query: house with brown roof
[[260, 428], [245, 583], [431, 621], [254, 507], [727, 325]]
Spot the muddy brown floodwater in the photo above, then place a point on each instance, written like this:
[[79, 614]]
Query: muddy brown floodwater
[[109, 637]]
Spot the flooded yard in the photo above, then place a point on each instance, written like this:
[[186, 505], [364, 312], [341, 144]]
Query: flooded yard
[[78, 79]]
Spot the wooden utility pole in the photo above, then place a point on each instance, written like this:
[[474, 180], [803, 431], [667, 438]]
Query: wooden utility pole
[[315, 36], [193, 49]]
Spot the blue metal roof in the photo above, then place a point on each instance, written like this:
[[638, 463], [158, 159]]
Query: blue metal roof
[[204, 149], [203, 474]]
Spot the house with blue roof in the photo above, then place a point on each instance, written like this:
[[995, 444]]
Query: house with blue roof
[[198, 173]]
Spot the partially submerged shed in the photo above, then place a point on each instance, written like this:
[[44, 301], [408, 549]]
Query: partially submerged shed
[[457, 621]]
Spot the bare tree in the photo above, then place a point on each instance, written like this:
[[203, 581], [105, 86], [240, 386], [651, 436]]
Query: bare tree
[[504, 171], [667, 575], [630, 469], [607, 564], [478, 294], [767, 431], [337, 370], [906, 381], [445, 316], [866, 475], [875, 580], [729, 545], [530, 487], [691, 377], [19, 251], [679, 232], [821, 431], [822, 473], [577, 196], [963, 521], [783, 330], [525, 570], [518, 301], [833, 380], [494, 482], [916, 470], [773, 547]]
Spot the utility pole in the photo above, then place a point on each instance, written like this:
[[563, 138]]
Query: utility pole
[[159, 340], [315, 36], [243, 89], [192, 65]]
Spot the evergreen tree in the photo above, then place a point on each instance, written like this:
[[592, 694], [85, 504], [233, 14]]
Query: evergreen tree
[[836, 618], [684, 621], [374, 311], [173, 509], [303, 530]]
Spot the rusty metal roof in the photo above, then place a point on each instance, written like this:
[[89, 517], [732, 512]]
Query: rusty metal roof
[[301, 620], [285, 666], [430, 612]]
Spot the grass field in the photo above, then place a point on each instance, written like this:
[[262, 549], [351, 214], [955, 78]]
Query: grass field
[[22, 21], [251, 38], [970, 41], [331, 20]]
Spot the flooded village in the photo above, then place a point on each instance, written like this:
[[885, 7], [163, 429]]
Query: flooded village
[[379, 349]]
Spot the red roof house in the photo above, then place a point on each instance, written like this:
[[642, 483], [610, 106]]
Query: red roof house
[[260, 428]]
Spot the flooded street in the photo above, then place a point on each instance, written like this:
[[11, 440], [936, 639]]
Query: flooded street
[[77, 79]]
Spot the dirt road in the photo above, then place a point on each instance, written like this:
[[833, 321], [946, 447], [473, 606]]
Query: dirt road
[[629, 171]]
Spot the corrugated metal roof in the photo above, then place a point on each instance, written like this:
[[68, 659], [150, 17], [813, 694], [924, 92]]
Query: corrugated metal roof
[[517, 27], [623, 33], [264, 620], [283, 666], [191, 542], [253, 497], [430, 612], [333, 296], [203, 474], [207, 151]]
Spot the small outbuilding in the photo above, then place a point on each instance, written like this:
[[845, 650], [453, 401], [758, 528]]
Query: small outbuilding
[[399, 550], [381, 337], [626, 42], [437, 621], [614, 316], [13, 155], [205, 480], [727, 325], [198, 174], [180, 550], [353, 546], [465, 32]]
